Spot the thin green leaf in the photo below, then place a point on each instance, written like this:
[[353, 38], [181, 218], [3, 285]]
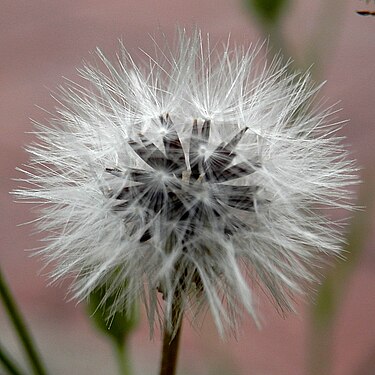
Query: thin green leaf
[[116, 326]]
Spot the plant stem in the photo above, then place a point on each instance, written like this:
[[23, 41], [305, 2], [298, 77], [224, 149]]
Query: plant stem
[[122, 356], [8, 363], [332, 290], [277, 42], [322, 40], [171, 341], [321, 336], [20, 327]]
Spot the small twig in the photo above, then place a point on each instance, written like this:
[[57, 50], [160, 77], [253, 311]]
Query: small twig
[[365, 13]]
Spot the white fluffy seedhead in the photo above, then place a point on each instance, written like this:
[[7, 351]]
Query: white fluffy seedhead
[[193, 177]]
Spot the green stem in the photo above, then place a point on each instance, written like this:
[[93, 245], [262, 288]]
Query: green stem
[[277, 42], [171, 342], [331, 292], [322, 40], [323, 316], [122, 356], [279, 48], [20, 327], [8, 363]]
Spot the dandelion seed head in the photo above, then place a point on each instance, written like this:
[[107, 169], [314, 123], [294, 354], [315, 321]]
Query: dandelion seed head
[[195, 178]]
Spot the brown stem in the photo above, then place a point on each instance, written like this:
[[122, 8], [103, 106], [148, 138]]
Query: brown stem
[[171, 341]]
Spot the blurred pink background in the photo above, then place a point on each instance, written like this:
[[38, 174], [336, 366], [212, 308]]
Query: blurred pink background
[[42, 41]]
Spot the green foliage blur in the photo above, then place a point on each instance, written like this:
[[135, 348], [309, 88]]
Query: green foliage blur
[[268, 11]]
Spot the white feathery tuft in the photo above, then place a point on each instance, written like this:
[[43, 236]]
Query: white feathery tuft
[[196, 176]]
